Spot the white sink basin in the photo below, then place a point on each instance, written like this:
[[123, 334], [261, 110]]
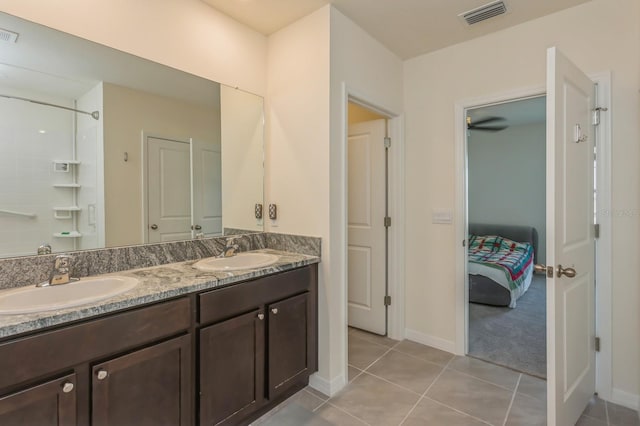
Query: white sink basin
[[29, 299], [236, 263]]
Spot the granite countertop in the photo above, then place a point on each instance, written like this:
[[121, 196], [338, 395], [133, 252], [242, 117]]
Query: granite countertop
[[156, 283]]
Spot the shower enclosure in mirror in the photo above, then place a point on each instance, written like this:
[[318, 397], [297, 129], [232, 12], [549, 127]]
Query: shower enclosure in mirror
[[117, 150]]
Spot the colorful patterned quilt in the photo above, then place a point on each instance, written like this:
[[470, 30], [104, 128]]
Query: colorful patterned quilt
[[511, 257]]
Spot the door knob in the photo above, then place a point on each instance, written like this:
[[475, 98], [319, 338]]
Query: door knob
[[543, 269], [274, 311], [567, 272], [102, 374], [154, 227], [261, 316], [67, 387], [196, 227]]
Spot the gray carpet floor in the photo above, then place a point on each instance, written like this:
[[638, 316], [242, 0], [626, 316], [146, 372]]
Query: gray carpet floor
[[514, 338]]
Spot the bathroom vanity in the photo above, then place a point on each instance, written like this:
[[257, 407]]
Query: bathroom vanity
[[225, 351]]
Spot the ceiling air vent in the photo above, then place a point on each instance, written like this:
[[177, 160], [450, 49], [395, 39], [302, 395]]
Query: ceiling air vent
[[8, 36], [485, 12]]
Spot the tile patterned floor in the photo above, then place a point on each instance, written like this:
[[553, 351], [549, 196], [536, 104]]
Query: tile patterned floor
[[405, 383]]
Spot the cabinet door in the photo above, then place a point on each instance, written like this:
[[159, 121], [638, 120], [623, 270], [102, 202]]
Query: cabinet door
[[231, 368], [289, 355], [148, 387], [49, 404]]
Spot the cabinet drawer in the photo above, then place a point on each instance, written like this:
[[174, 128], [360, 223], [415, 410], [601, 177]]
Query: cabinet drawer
[[220, 304], [31, 357]]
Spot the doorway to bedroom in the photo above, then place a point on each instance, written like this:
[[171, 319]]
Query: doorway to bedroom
[[506, 208]]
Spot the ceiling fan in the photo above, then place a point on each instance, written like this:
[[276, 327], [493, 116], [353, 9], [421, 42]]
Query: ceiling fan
[[485, 125]]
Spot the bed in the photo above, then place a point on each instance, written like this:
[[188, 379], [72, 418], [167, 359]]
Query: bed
[[491, 283]]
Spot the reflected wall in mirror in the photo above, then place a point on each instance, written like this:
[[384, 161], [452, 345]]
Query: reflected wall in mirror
[[170, 155]]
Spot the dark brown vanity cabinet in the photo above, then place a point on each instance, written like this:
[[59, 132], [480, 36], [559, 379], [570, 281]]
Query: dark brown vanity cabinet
[[51, 403], [230, 353], [146, 387], [258, 345], [132, 367]]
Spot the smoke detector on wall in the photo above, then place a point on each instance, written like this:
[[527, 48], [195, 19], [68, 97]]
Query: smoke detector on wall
[[8, 36], [482, 13]]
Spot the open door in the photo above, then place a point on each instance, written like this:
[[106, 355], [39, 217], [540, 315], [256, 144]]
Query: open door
[[570, 241], [366, 228]]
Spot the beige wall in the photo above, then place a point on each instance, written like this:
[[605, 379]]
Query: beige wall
[[297, 149], [309, 62], [358, 114], [242, 133], [599, 35], [185, 34], [127, 113]]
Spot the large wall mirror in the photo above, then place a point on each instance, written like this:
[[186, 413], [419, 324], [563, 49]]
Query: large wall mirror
[[99, 148]]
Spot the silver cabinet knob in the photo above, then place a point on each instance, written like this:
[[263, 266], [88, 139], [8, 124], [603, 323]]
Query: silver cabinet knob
[[261, 317], [274, 311], [154, 227], [67, 387], [102, 374], [198, 227]]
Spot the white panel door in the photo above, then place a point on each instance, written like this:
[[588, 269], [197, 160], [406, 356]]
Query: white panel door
[[207, 185], [168, 190], [366, 232], [570, 240]]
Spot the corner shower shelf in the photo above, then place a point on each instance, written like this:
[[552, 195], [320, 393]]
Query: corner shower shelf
[[72, 234], [67, 185]]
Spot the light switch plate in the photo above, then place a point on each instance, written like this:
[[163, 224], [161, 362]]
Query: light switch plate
[[442, 216]]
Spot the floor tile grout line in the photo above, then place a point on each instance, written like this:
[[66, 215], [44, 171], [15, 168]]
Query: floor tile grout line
[[376, 360], [457, 410], [314, 395], [513, 398], [425, 392], [348, 413], [391, 383], [484, 380], [422, 359]]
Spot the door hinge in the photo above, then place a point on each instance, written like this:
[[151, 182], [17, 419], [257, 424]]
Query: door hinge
[[597, 344], [596, 230], [387, 221], [596, 115], [387, 300], [387, 142]]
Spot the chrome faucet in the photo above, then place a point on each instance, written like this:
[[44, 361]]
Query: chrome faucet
[[45, 248], [231, 247], [61, 272]]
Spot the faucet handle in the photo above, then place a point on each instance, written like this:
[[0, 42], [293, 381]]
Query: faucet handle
[[62, 261]]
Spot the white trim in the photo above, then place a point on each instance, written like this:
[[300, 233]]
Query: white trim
[[462, 279], [604, 361], [604, 243], [397, 234], [626, 399], [396, 208], [327, 387], [434, 342]]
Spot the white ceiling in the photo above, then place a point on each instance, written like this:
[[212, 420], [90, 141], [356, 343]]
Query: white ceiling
[[406, 27]]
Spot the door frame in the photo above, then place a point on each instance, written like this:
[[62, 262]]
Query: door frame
[[603, 202], [144, 137], [396, 311]]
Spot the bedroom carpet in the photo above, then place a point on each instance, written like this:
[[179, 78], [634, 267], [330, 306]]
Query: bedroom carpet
[[514, 338]]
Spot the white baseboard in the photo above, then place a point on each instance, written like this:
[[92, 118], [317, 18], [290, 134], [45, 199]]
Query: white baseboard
[[435, 342], [327, 387], [625, 399]]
